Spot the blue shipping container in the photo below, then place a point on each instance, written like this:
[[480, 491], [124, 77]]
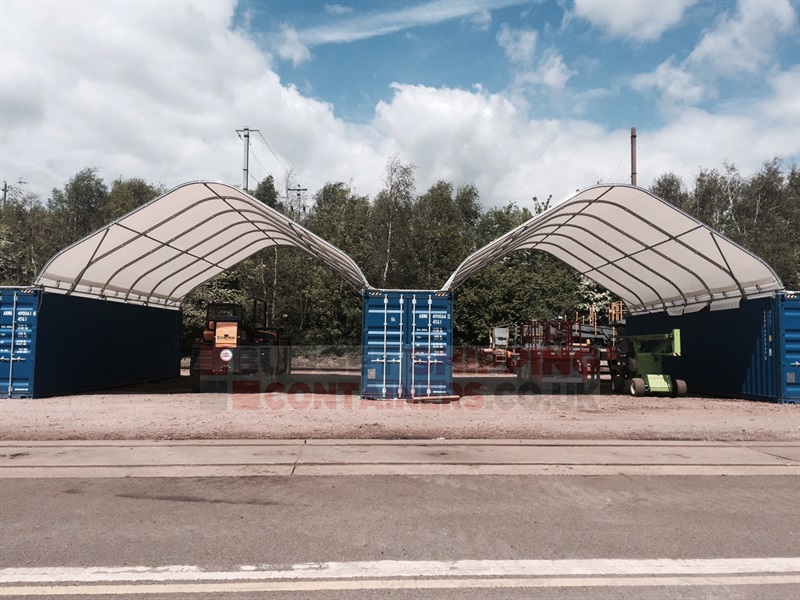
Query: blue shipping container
[[789, 327], [407, 344], [749, 352], [53, 344], [19, 317]]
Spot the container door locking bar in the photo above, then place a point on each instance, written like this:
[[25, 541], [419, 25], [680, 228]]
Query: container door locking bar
[[13, 358]]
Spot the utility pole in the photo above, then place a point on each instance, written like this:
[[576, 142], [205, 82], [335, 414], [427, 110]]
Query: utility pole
[[245, 135], [5, 191], [299, 191], [633, 155]]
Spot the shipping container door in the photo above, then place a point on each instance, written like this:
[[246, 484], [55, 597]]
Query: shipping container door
[[790, 343], [406, 344], [383, 332], [430, 347], [19, 310]]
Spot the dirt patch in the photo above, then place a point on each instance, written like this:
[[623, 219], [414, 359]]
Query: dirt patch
[[168, 411]]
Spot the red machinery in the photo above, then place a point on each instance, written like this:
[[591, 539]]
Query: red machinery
[[554, 353], [499, 351]]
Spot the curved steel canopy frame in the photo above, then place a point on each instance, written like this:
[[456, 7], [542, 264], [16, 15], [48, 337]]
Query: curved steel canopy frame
[[158, 253], [651, 254]]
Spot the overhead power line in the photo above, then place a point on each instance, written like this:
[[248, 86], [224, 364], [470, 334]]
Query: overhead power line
[[291, 182], [266, 143]]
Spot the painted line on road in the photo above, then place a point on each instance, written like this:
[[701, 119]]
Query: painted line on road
[[398, 584], [408, 569]]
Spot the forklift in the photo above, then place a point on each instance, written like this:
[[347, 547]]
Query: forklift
[[636, 364]]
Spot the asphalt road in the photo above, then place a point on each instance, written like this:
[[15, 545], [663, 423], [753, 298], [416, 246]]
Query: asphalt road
[[711, 535]]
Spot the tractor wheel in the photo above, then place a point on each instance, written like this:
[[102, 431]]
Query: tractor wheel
[[680, 387], [617, 384], [638, 387]]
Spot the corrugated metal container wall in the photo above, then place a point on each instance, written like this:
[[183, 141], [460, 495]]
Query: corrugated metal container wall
[[407, 344], [82, 344], [789, 311], [749, 352], [19, 313]]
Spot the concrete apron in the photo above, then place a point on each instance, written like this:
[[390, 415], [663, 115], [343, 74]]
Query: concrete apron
[[241, 458]]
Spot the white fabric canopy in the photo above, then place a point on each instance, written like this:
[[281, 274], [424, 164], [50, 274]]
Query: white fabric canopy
[[652, 255], [161, 251]]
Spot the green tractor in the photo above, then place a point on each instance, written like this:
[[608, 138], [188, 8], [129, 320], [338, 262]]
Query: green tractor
[[636, 364]]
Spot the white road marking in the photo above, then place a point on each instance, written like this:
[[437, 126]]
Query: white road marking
[[409, 569], [397, 584]]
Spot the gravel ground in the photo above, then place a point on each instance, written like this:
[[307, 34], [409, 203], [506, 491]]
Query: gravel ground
[[168, 411]]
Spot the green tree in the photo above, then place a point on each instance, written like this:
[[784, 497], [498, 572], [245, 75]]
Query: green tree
[[80, 208], [390, 216], [26, 237], [523, 286], [441, 228], [671, 188], [268, 194], [762, 213], [767, 220], [127, 195], [334, 307]]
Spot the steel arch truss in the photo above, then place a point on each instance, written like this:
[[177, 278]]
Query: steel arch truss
[[641, 248], [161, 251]]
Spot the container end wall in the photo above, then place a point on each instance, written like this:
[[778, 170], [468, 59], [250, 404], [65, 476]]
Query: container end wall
[[407, 344]]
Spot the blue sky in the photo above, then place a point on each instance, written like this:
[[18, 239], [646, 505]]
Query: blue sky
[[521, 98]]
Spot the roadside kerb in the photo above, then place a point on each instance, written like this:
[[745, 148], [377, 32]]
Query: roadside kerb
[[383, 457]]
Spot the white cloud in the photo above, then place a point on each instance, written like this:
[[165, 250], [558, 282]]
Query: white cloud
[[640, 20], [698, 139], [518, 44], [483, 138], [290, 47], [122, 89], [547, 70], [377, 23], [674, 84], [481, 20], [784, 104], [744, 43], [338, 9], [554, 73]]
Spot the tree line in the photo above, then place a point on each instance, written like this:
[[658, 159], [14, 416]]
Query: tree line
[[402, 239]]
